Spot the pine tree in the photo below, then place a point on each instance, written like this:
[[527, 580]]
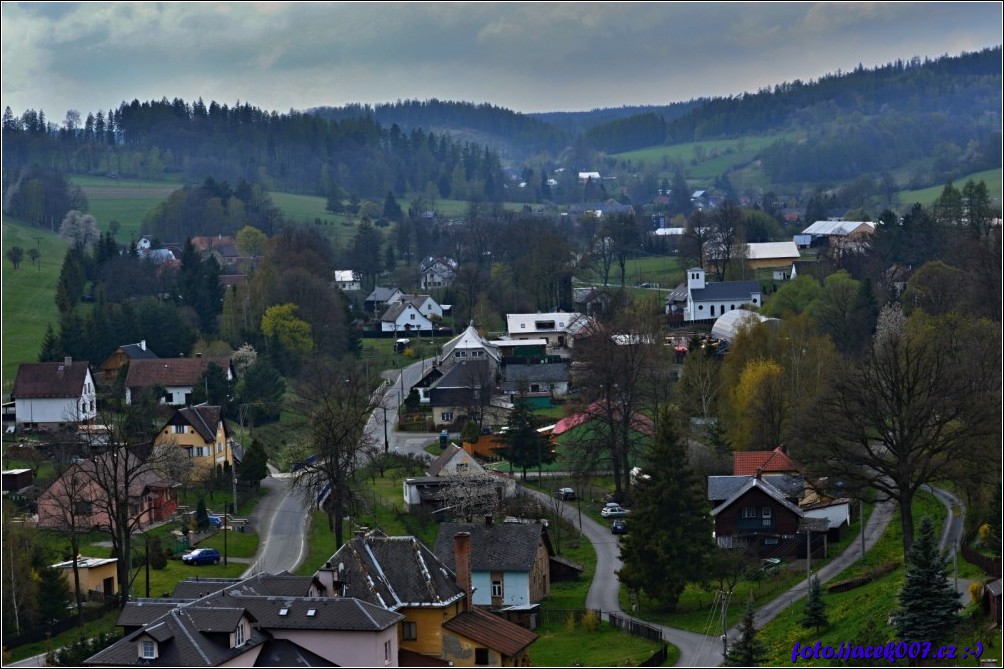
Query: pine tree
[[670, 538], [51, 350], [928, 602], [748, 651], [201, 514], [815, 608]]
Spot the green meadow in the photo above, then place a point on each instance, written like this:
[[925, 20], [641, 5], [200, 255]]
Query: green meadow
[[701, 160], [28, 295], [926, 196]]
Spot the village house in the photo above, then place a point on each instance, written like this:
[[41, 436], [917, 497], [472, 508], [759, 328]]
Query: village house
[[769, 255], [121, 357], [256, 621], [176, 376], [202, 433], [557, 328], [436, 273], [347, 280], [98, 576], [510, 562], [54, 394], [79, 493]]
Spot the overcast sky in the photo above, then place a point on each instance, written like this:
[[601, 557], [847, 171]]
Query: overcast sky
[[524, 56]]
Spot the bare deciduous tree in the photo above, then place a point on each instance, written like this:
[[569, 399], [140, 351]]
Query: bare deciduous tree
[[334, 401]]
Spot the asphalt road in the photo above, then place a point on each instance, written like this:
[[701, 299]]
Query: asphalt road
[[281, 521]]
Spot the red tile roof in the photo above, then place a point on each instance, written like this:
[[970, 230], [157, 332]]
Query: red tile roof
[[492, 631], [747, 463], [169, 371], [639, 422]]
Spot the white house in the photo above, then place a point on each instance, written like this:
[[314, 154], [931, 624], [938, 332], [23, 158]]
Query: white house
[[54, 394], [706, 299], [437, 272], [175, 376], [425, 304], [558, 328], [346, 279], [404, 317]]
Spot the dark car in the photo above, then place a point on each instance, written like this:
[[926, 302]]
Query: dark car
[[619, 526], [565, 493], [202, 556]]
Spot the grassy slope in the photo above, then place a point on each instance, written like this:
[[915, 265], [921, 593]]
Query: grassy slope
[[926, 196], [28, 295]]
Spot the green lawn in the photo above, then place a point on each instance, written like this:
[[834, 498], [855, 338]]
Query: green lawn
[[859, 615], [92, 629], [28, 295], [718, 155], [564, 645]]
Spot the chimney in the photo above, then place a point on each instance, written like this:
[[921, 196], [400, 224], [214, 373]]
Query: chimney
[[462, 565], [68, 360], [759, 473], [142, 344], [198, 355]]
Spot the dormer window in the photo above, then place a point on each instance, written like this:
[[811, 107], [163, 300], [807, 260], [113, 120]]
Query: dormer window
[[239, 638], [148, 649]]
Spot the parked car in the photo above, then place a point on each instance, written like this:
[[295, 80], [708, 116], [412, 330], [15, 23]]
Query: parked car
[[565, 493], [202, 556], [215, 521], [613, 512], [619, 526]]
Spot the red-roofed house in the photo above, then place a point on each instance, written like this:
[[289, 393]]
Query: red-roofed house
[[748, 463], [54, 394], [177, 376], [597, 411]]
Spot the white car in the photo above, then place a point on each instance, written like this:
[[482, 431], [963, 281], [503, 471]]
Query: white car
[[613, 512]]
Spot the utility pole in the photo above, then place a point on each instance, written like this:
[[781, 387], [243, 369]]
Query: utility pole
[[862, 503], [725, 636], [386, 442], [224, 539]]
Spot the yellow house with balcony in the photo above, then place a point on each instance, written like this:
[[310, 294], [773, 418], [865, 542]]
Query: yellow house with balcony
[[202, 432]]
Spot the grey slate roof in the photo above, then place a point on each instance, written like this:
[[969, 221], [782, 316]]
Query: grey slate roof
[[721, 488], [395, 572], [137, 352], [203, 417], [381, 294], [500, 547], [285, 653], [725, 290], [551, 372], [196, 633]]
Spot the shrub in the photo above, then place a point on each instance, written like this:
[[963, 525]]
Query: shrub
[[590, 621]]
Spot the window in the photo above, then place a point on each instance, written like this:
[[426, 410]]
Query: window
[[481, 657], [201, 451], [239, 635], [770, 541], [409, 631], [148, 650], [219, 448], [412, 316], [178, 429], [82, 508], [749, 512], [496, 588], [386, 651], [700, 307], [766, 516], [447, 416]]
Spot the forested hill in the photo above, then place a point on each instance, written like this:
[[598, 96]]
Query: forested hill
[[513, 134], [902, 110]]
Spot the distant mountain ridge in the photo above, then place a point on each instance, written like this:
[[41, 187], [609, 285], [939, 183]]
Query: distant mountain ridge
[[904, 109]]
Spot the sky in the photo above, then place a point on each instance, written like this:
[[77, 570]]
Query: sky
[[528, 57]]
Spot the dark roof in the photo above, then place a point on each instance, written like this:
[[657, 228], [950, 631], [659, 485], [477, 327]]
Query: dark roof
[[725, 290], [500, 547], [285, 653], [766, 487], [50, 380], [409, 658], [196, 633], [283, 585], [492, 631], [180, 642], [381, 294], [139, 612], [551, 372], [137, 352], [203, 417], [169, 371], [394, 572], [721, 488]]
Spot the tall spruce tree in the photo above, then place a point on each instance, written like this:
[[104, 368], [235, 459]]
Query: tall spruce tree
[[928, 602], [815, 608], [670, 538], [748, 651]]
